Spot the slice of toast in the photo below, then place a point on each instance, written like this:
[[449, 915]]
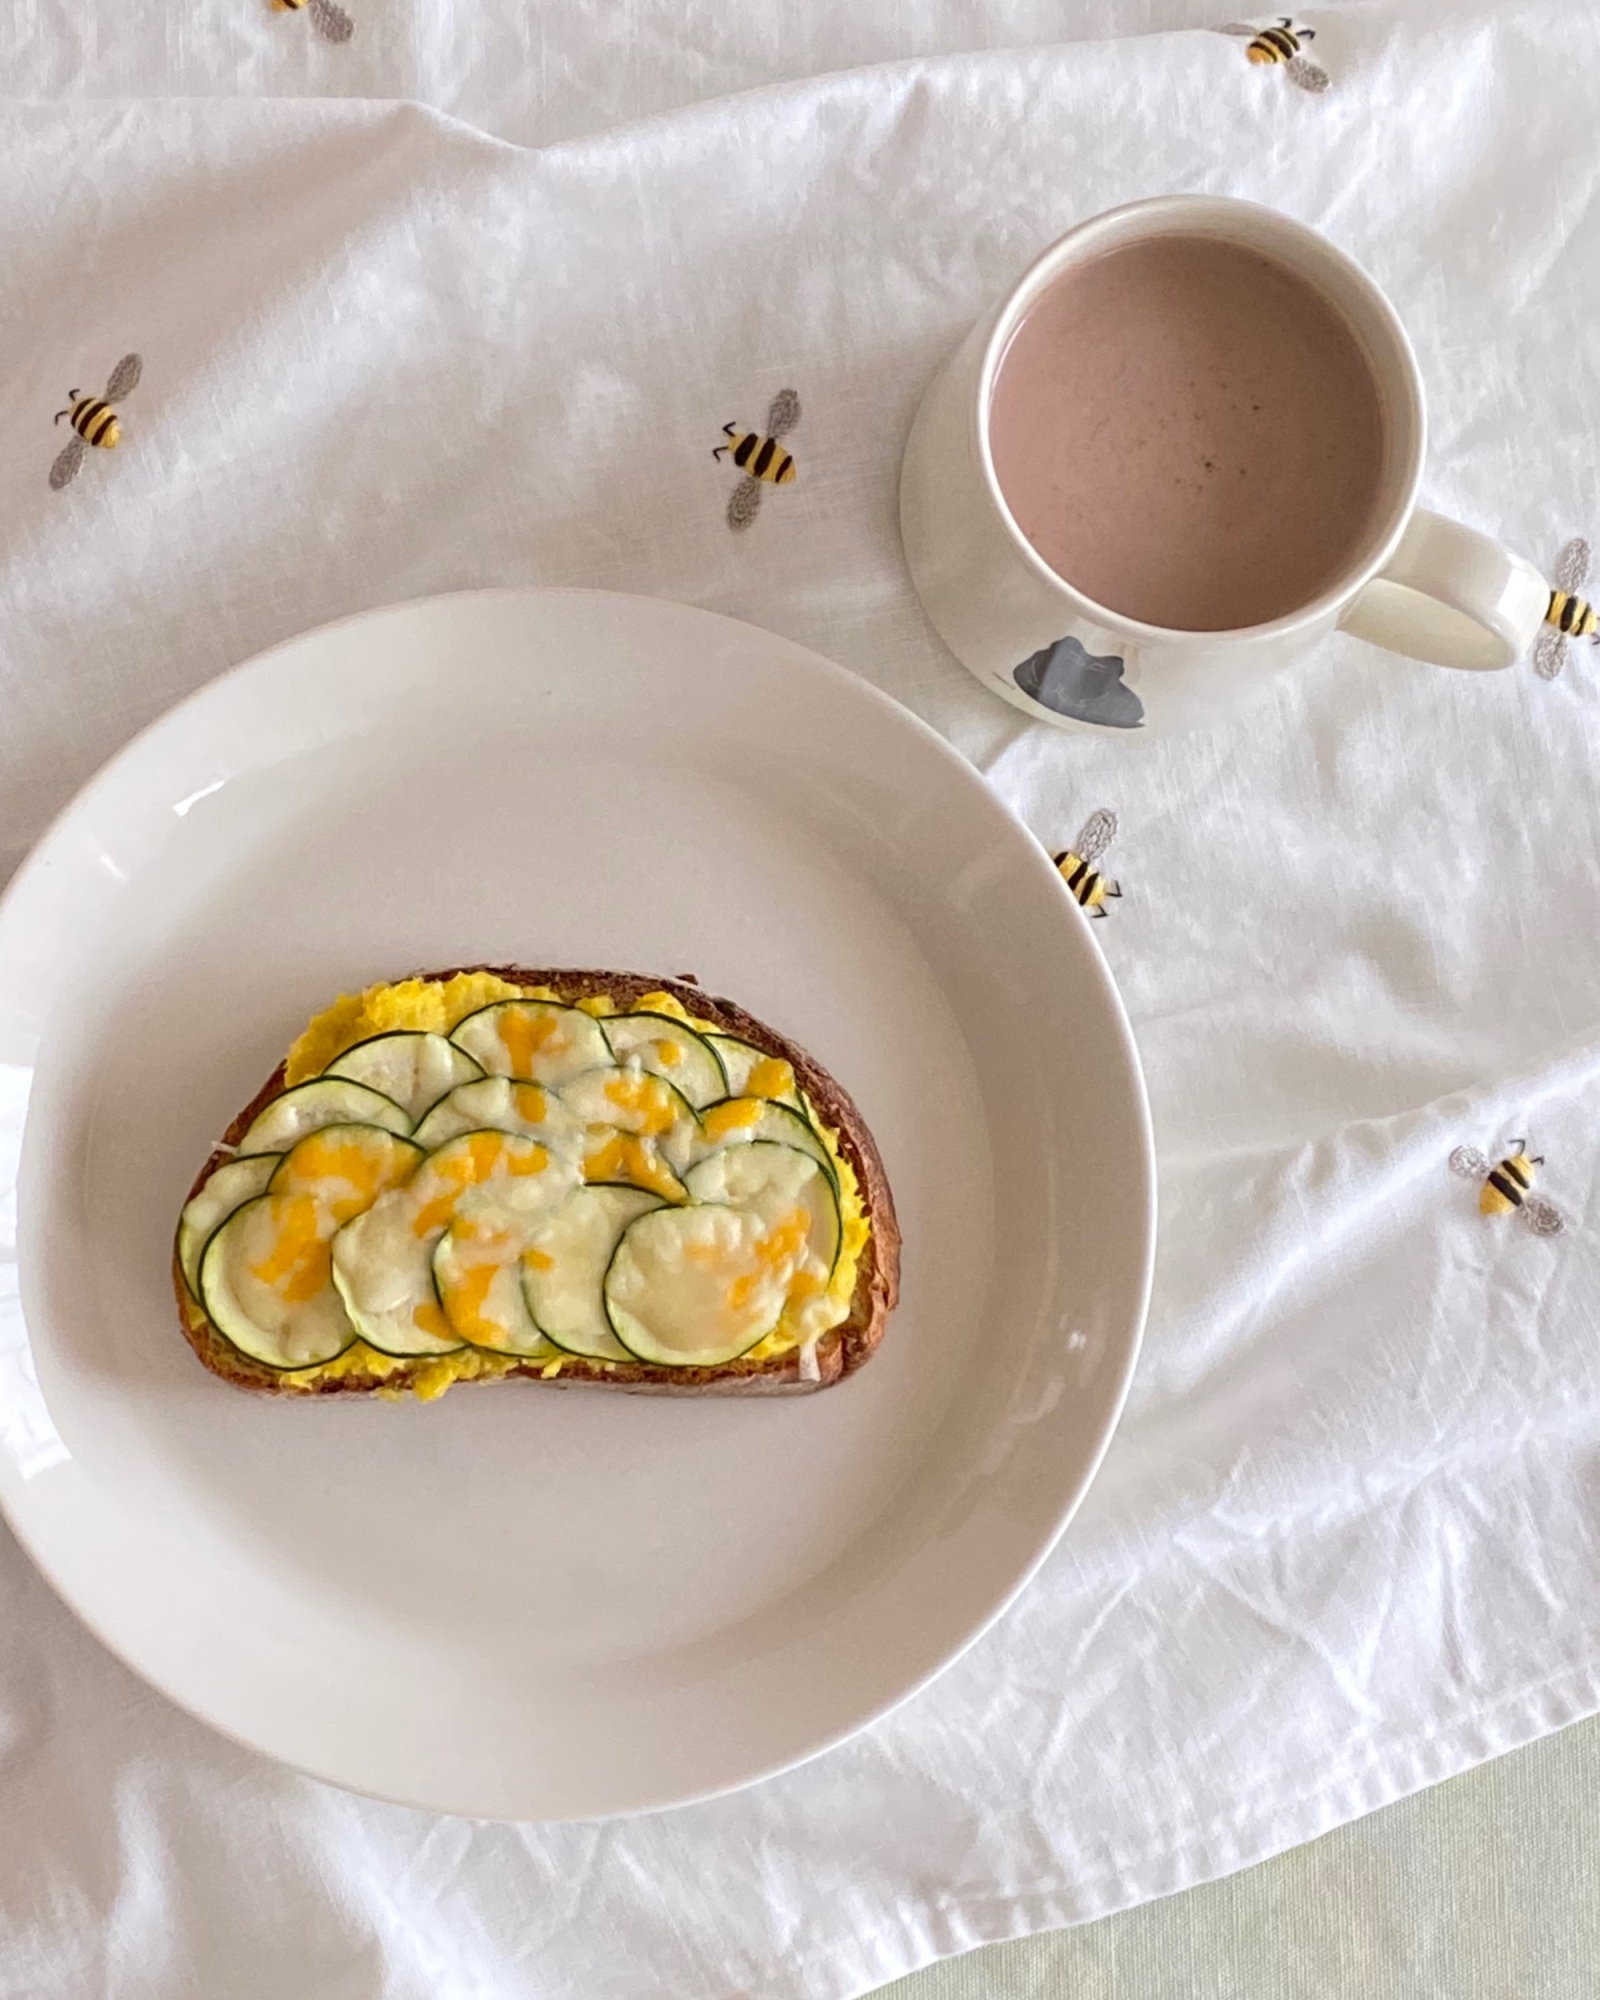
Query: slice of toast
[[837, 1353]]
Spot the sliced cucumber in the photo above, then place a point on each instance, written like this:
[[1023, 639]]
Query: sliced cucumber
[[635, 1101], [230, 1187], [689, 1287], [775, 1182], [383, 1271], [346, 1167], [329, 1100], [740, 1063], [383, 1260], [414, 1068], [740, 1121], [667, 1048], [477, 1273], [566, 1263], [537, 1041], [500, 1104], [265, 1285]]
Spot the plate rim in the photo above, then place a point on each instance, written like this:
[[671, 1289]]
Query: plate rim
[[40, 855]]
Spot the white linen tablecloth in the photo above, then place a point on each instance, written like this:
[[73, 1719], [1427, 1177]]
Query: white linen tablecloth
[[1348, 1538]]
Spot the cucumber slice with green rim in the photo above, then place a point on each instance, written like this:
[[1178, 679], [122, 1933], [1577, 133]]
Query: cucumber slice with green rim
[[566, 1264], [637, 1102], [413, 1068], [739, 1121], [773, 1182], [329, 1100], [264, 1284], [501, 1104], [383, 1260], [690, 1288], [740, 1062], [667, 1048], [230, 1187], [383, 1272], [346, 1167], [536, 1041], [477, 1274]]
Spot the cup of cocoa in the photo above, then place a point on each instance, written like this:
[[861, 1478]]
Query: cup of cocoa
[[1181, 452]]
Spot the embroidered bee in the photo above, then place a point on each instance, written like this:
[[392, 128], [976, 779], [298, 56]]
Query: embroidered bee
[[1568, 615], [94, 420], [1506, 1185], [1076, 865], [329, 19], [762, 460], [1282, 43]]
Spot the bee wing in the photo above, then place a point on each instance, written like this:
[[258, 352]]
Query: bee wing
[[65, 469], [1572, 565], [784, 414], [1549, 652], [1238, 28], [124, 378], [1308, 75], [745, 503], [1099, 830], [1471, 1164], [333, 23], [1541, 1216]]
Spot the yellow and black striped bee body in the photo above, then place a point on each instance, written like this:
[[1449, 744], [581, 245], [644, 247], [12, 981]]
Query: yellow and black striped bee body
[[1282, 42], [1090, 889], [1507, 1185], [93, 420], [1573, 615], [329, 19], [762, 458], [1567, 615]]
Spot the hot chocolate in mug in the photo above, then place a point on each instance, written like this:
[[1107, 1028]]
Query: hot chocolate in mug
[[1390, 572]]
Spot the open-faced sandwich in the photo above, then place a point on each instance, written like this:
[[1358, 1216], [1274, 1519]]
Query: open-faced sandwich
[[565, 1176]]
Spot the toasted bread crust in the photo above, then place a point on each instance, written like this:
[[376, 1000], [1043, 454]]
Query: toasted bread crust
[[839, 1352]]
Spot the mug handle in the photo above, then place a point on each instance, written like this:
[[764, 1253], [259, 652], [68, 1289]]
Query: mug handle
[[1452, 596]]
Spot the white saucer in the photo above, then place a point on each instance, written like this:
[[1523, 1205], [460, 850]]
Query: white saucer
[[519, 1603]]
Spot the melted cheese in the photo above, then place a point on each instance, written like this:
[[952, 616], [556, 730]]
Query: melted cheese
[[469, 1162], [296, 1260], [526, 1037], [644, 1100], [438, 1007], [345, 1168], [619, 1157], [771, 1077], [734, 1114]]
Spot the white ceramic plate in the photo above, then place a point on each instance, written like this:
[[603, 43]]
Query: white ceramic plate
[[520, 1603]]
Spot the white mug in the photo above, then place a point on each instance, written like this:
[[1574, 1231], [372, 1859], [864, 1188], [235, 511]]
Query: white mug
[[1424, 586]]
